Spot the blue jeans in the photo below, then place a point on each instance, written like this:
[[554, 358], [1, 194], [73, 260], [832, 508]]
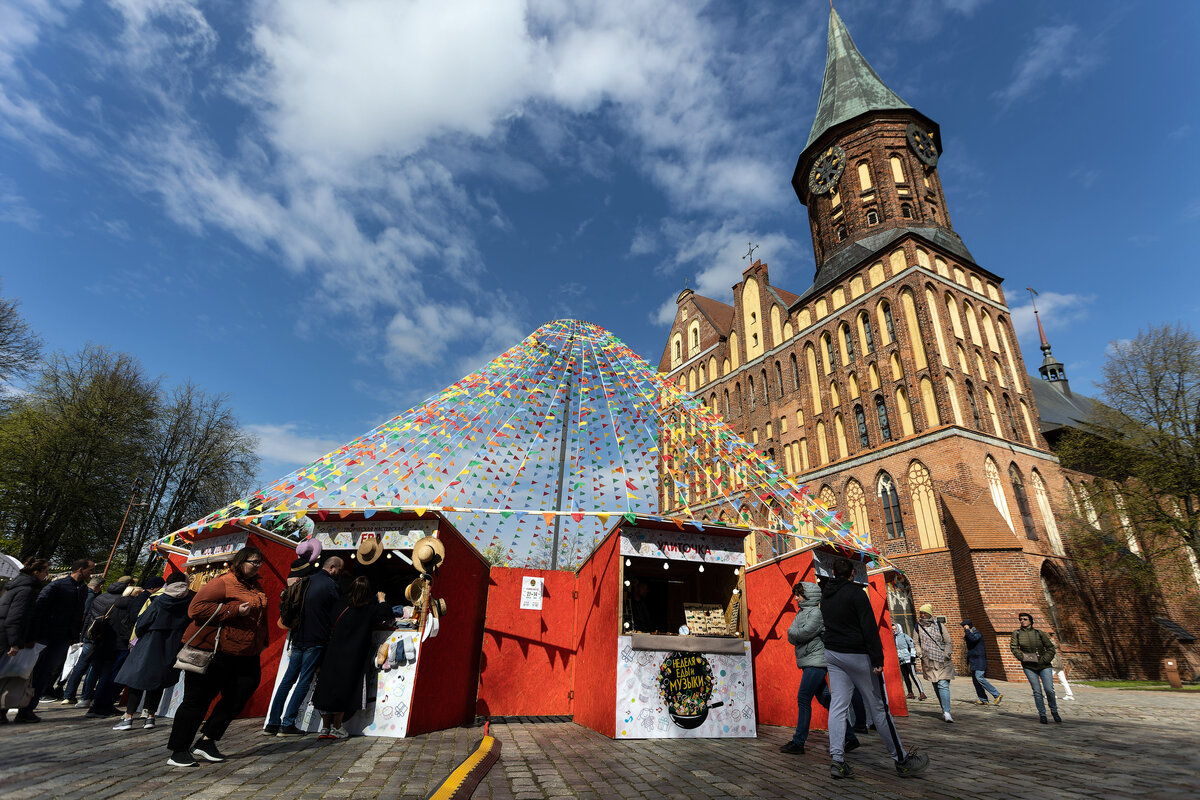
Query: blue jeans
[[812, 684], [301, 666], [943, 693], [982, 684], [1039, 678]]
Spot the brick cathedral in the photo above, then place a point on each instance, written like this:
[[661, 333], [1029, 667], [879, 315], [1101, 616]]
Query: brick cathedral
[[894, 388]]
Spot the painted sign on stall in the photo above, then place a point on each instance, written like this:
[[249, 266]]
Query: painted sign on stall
[[679, 695], [681, 546], [217, 546], [341, 535], [531, 592]]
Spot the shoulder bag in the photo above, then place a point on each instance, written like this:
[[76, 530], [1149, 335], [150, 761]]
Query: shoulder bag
[[193, 659]]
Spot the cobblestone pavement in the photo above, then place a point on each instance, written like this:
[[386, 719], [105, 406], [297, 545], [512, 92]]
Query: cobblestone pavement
[[1112, 744]]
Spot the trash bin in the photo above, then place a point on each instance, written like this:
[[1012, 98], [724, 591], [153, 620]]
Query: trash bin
[[1171, 668]]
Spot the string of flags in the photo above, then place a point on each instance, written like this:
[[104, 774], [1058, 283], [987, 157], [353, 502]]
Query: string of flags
[[540, 449]]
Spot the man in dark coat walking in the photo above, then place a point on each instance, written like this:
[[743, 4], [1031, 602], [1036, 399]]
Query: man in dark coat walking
[[854, 657], [977, 662], [308, 642], [57, 617]]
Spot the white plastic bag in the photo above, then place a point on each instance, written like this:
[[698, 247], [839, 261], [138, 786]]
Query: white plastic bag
[[21, 665]]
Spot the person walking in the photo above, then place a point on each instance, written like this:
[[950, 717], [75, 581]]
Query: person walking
[[935, 650], [16, 611], [83, 672], [108, 629], [805, 635], [150, 668], [57, 617], [306, 647], [907, 655], [339, 690], [977, 663], [1034, 650], [854, 658], [1060, 672], [236, 605]]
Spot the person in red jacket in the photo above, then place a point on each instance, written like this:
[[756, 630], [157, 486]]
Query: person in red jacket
[[238, 633]]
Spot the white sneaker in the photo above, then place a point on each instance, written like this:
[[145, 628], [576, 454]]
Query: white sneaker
[[946, 716], [126, 724], [339, 733], [148, 725]]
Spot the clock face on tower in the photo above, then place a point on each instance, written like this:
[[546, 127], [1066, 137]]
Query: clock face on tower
[[921, 142], [826, 170]]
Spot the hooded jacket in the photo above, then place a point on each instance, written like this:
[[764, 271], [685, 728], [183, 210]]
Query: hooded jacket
[[151, 662], [806, 629], [976, 650], [904, 645], [849, 622], [16, 611]]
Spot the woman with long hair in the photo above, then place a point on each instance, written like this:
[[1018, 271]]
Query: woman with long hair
[[237, 607], [339, 691]]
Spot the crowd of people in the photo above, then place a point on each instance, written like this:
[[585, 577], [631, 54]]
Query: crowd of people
[[127, 640], [840, 656]]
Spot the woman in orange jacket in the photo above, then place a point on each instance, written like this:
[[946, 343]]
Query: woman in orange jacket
[[237, 607]]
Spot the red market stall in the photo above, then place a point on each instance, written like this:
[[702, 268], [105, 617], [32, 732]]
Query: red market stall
[[771, 610], [431, 683]]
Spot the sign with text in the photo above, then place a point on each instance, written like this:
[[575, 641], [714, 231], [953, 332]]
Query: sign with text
[[682, 546], [531, 592]]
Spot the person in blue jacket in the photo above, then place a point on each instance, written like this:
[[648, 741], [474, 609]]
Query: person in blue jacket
[[977, 661], [907, 654]]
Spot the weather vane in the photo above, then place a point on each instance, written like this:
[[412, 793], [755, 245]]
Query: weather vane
[[750, 252]]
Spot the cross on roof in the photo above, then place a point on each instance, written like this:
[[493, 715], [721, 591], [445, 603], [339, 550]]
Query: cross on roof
[[750, 252]]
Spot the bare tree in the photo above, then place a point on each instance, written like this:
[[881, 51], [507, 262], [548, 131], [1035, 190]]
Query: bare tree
[[19, 345]]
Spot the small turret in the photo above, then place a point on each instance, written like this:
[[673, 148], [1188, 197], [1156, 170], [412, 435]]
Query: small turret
[[1052, 369]]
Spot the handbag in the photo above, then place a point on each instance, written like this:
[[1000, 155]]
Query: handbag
[[21, 665], [193, 659]]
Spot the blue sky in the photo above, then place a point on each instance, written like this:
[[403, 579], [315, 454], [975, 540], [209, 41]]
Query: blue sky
[[330, 210]]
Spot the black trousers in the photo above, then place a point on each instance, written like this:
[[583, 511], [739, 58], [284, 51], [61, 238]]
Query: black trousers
[[234, 678], [910, 677], [152, 699]]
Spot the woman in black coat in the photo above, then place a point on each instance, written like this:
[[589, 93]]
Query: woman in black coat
[[339, 689], [150, 667], [16, 611]]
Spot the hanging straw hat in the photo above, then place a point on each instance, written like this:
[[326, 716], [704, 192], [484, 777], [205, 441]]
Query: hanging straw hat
[[428, 553], [369, 549], [414, 590], [438, 606]]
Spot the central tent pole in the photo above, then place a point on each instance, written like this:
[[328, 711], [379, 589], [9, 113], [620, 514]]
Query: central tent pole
[[562, 468]]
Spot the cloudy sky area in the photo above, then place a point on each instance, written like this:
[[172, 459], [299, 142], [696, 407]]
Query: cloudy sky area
[[330, 210]]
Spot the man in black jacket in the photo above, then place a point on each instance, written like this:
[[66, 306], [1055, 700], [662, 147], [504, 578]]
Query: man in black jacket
[[308, 640], [57, 617], [854, 657]]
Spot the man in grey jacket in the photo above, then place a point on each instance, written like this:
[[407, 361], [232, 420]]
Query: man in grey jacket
[[805, 634]]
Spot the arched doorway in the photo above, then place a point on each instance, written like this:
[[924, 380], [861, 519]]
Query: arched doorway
[[1058, 600]]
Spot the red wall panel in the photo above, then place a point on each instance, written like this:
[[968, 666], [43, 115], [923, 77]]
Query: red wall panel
[[273, 576], [447, 679], [595, 704], [527, 654]]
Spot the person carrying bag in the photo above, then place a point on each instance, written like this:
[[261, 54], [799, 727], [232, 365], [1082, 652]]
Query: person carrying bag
[[236, 601]]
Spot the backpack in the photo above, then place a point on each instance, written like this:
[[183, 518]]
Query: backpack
[[98, 626], [291, 604]]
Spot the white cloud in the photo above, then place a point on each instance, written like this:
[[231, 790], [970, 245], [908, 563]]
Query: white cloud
[[715, 255], [1059, 52], [1057, 310], [283, 444]]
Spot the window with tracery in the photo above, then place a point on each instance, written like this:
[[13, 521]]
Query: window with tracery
[[920, 488], [890, 500], [1014, 477], [992, 473]]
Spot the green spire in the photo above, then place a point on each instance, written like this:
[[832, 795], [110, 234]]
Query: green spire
[[850, 87]]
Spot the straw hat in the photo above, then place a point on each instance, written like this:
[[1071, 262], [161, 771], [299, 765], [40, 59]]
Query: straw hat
[[438, 606], [414, 590], [428, 553], [369, 549]]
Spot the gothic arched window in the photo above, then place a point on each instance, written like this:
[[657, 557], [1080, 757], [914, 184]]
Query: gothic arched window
[[861, 419], [779, 378], [848, 342], [1014, 475], [750, 391], [892, 520], [795, 372], [974, 406], [872, 217], [992, 473], [885, 430], [864, 330]]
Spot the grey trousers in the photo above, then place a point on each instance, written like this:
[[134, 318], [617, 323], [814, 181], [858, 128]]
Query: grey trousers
[[847, 672]]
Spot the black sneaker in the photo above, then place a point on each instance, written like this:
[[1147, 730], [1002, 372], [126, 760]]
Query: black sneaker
[[1042, 719], [793, 748], [26, 716], [182, 758], [840, 769], [291, 730], [913, 764], [1055, 716], [207, 748], [270, 730], [853, 744]]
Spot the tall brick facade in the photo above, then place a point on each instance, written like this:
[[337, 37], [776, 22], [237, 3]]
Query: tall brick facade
[[895, 389]]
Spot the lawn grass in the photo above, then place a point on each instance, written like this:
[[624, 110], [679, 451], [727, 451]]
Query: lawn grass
[[1152, 686]]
